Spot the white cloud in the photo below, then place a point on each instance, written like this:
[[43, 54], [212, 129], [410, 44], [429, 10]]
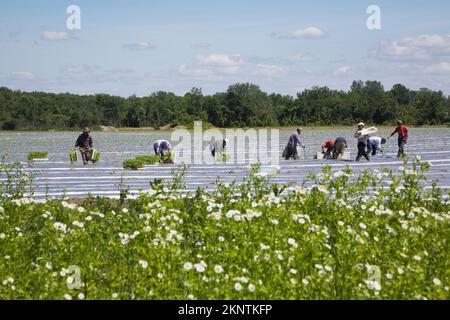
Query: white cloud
[[23, 75], [144, 45], [220, 60], [55, 36], [268, 70], [421, 47], [426, 41], [395, 51], [439, 68], [343, 71], [195, 72], [302, 57], [228, 67], [307, 33]]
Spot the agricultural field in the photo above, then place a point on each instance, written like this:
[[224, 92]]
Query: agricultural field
[[373, 235], [59, 178]]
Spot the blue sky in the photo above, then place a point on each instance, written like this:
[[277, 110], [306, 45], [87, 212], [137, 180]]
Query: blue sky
[[138, 47]]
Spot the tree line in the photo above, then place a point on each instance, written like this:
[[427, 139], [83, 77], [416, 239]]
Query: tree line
[[242, 105]]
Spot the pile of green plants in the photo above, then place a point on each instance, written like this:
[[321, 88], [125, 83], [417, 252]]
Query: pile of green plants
[[134, 164], [152, 159], [37, 155], [140, 162], [375, 235]]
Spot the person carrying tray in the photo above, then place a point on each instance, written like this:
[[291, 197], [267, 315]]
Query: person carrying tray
[[85, 145], [362, 137]]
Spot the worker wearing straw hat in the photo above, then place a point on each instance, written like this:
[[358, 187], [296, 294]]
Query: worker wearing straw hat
[[362, 142]]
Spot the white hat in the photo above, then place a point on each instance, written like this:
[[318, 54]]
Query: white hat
[[361, 124], [226, 141]]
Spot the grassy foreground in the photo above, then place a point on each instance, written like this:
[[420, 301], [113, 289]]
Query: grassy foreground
[[376, 236]]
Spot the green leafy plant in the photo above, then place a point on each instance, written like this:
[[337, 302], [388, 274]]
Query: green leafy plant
[[152, 159], [339, 235], [134, 164], [37, 155]]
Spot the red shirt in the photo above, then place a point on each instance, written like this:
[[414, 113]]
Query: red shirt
[[328, 144], [402, 131]]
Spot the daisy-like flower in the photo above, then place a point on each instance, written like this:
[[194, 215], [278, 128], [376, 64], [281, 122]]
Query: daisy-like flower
[[200, 268], [437, 282], [218, 269], [187, 266], [237, 286], [251, 287], [67, 296], [143, 263]]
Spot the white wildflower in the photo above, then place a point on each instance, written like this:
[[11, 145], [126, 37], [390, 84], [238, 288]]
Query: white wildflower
[[218, 269], [437, 282], [143, 263]]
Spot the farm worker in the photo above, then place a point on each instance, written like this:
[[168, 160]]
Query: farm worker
[[291, 148], [339, 147], [327, 148], [84, 143], [374, 144], [162, 148], [402, 131], [362, 142], [218, 147]]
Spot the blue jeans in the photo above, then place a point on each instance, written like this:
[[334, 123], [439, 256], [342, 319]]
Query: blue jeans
[[372, 147]]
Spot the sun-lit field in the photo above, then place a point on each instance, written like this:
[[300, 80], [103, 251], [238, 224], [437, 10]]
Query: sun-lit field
[[378, 235]]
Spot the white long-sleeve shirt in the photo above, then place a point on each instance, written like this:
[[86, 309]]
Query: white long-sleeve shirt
[[361, 138]]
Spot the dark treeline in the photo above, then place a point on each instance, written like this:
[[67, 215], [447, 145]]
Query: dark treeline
[[242, 105]]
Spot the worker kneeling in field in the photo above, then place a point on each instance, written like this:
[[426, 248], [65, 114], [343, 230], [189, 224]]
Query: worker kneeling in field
[[218, 148], [374, 144], [327, 148], [290, 151], [340, 144], [85, 145], [163, 150]]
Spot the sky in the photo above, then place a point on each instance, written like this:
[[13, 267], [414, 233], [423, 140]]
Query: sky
[[284, 46]]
